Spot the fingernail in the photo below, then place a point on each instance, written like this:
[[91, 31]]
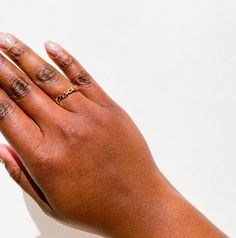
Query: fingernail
[[52, 48], [1, 161], [6, 41]]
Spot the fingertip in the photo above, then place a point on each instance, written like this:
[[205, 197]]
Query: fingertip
[[7, 40], [3, 149], [2, 157], [47, 43], [5, 155], [52, 48], [2, 161]]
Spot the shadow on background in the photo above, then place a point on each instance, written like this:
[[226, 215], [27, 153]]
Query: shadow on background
[[49, 228]]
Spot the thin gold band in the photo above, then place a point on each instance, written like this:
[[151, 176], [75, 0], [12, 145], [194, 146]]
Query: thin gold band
[[66, 93]]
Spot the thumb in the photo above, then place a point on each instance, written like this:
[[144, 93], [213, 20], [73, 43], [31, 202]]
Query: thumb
[[12, 162], [20, 175]]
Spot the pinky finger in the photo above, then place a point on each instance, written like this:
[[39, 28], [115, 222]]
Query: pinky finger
[[77, 74]]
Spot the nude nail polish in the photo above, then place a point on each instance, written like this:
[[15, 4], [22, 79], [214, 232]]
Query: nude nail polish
[[6, 41], [52, 48]]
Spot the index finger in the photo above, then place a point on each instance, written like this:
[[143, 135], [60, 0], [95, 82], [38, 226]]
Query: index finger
[[20, 130]]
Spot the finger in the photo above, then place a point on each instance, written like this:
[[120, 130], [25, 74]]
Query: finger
[[38, 70], [33, 101], [77, 74], [19, 130], [20, 175]]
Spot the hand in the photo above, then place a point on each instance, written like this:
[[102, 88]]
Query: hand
[[83, 161]]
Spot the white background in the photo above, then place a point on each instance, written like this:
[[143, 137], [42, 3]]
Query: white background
[[171, 65]]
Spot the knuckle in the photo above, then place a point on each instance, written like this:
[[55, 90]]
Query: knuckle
[[82, 136], [69, 131], [82, 79], [19, 88], [46, 73], [43, 154], [104, 122], [16, 173], [5, 108], [72, 132], [17, 51]]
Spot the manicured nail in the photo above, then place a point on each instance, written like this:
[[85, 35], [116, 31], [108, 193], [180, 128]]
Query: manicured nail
[[6, 41], [52, 48]]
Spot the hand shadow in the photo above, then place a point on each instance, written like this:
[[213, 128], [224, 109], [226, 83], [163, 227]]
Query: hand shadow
[[50, 228]]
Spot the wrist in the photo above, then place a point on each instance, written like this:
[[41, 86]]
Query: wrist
[[141, 213], [161, 211]]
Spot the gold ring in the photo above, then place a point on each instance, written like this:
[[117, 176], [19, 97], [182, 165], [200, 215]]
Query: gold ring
[[66, 93]]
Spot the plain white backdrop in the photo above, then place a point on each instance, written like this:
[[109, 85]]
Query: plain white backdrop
[[171, 65]]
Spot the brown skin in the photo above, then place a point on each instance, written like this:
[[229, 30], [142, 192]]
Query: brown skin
[[84, 161]]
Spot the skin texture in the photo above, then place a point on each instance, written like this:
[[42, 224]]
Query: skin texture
[[84, 161]]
